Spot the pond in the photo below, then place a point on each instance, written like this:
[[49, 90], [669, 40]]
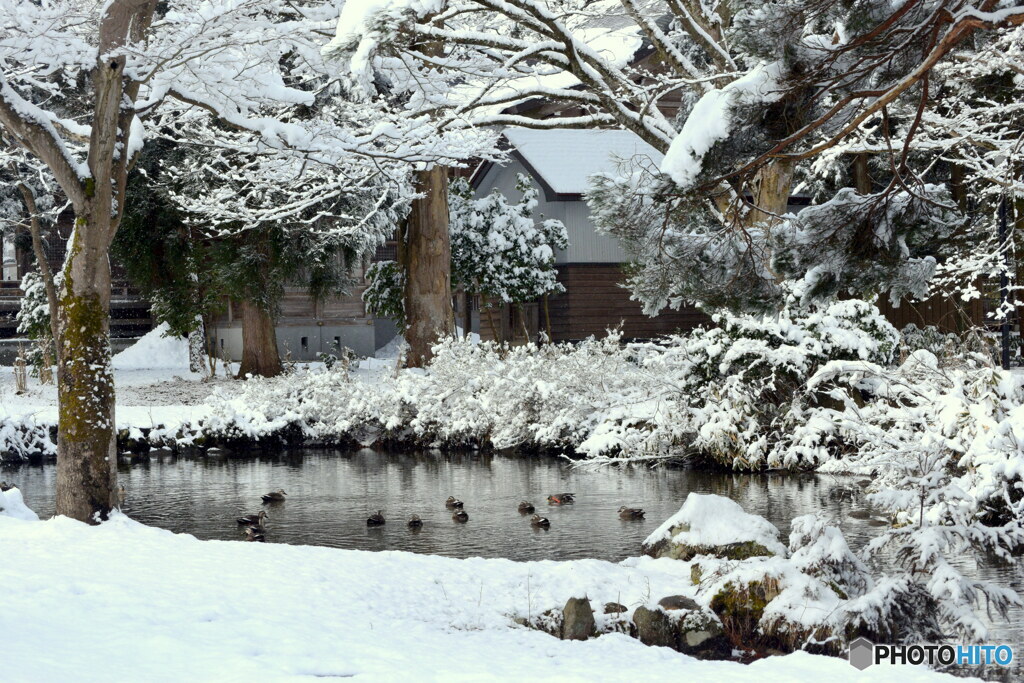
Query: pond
[[331, 493]]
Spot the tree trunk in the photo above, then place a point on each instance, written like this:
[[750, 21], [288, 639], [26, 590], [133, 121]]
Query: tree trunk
[[259, 343], [86, 448], [774, 183], [861, 174], [467, 315], [197, 347], [428, 292]]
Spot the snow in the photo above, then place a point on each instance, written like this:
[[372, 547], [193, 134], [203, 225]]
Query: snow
[[715, 520], [12, 506], [155, 350], [232, 611], [565, 159], [711, 119]]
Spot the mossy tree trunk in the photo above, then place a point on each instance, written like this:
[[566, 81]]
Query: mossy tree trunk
[[427, 254], [260, 356], [86, 471], [86, 447]]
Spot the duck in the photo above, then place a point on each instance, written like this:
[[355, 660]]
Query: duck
[[460, 516], [376, 519], [453, 503], [4, 486], [252, 535], [561, 499], [540, 522], [526, 507], [415, 522], [253, 520], [274, 496], [631, 513]]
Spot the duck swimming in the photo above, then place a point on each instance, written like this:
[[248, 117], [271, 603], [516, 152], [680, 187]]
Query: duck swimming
[[252, 535], [4, 486], [453, 503], [415, 522], [526, 507], [541, 522], [274, 496], [255, 520], [460, 516], [631, 513], [561, 499], [376, 519]]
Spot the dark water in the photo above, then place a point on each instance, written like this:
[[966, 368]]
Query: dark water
[[330, 494]]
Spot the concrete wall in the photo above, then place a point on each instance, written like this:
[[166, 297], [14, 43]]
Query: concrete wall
[[304, 342]]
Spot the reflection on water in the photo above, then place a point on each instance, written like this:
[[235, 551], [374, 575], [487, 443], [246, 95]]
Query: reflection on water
[[330, 495]]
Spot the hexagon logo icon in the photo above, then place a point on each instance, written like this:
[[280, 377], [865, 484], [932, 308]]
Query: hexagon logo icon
[[862, 653]]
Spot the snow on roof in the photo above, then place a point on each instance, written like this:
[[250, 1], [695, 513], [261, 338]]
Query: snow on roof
[[564, 159]]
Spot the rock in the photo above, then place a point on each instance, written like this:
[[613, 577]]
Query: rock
[[700, 634], [727, 551], [654, 627], [578, 620], [614, 608], [717, 526], [677, 602], [695, 631], [696, 573], [740, 607]]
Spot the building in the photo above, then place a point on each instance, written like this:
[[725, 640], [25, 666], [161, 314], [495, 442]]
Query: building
[[560, 163]]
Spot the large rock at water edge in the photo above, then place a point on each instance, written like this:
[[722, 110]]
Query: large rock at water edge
[[714, 525]]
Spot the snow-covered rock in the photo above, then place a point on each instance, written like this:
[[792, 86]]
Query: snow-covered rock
[[713, 525], [12, 504]]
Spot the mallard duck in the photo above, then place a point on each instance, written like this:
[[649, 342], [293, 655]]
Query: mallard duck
[[539, 521], [274, 496], [415, 522], [630, 513], [376, 519], [460, 516], [526, 508], [253, 520], [561, 499], [252, 535], [453, 503]]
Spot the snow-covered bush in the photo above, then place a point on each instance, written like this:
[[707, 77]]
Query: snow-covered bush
[[942, 444], [498, 250], [736, 393], [33, 318], [384, 295]]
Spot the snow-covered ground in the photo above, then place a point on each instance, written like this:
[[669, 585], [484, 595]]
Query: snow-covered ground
[[124, 601], [153, 386]]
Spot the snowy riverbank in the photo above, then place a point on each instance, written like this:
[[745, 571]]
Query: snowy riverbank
[[123, 601]]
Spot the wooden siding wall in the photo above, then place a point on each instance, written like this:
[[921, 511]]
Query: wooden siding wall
[[594, 301], [946, 314]]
